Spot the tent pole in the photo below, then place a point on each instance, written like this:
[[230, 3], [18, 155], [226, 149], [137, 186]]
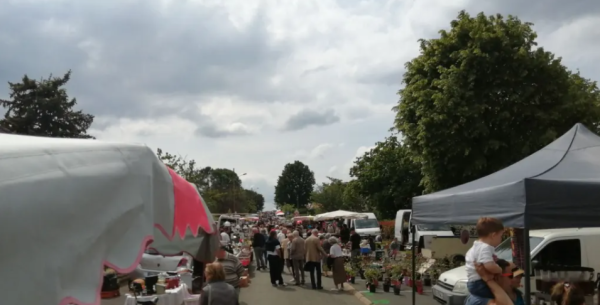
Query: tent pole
[[527, 263], [414, 266]]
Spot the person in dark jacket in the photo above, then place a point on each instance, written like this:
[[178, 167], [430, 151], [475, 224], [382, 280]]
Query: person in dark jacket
[[258, 244], [274, 256], [345, 234]]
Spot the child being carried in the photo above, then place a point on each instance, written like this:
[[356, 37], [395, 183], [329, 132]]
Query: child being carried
[[490, 232]]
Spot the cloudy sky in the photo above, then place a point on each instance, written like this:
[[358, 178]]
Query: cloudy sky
[[253, 85]]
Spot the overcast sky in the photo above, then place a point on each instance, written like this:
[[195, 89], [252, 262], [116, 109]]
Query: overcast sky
[[253, 85]]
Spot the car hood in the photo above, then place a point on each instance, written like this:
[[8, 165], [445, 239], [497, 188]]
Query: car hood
[[369, 231], [452, 276]]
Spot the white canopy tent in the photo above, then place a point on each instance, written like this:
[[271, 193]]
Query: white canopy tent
[[339, 214], [69, 207]]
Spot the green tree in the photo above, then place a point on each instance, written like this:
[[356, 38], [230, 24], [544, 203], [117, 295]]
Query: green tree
[[287, 208], [256, 201], [353, 198], [483, 96], [294, 185], [330, 195], [43, 108], [387, 177], [221, 188]]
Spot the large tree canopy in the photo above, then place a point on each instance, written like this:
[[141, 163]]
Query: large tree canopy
[[256, 200], [43, 108], [220, 187], [387, 177], [294, 185], [330, 195], [483, 96]]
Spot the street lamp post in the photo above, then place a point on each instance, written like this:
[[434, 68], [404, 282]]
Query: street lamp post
[[232, 189]]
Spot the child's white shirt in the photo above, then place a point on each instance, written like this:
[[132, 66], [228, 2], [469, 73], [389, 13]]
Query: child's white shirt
[[480, 253]]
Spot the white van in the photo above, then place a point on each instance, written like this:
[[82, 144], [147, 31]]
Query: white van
[[403, 232], [568, 247], [365, 227]]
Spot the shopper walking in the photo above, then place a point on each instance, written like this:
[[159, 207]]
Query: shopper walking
[[326, 261], [314, 254], [298, 256], [337, 257], [258, 244], [274, 258]]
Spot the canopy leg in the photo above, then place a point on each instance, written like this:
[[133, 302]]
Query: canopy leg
[[414, 266], [527, 265]]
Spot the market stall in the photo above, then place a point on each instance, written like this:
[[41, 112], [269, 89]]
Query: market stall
[[556, 187], [339, 214], [69, 207]]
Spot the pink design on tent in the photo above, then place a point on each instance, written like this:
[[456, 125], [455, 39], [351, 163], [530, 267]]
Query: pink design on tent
[[189, 209]]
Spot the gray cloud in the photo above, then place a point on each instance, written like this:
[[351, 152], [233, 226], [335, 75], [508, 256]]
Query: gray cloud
[[307, 118], [210, 130], [316, 70], [124, 54]]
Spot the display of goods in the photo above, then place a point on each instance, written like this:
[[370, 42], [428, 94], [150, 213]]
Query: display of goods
[[548, 276]]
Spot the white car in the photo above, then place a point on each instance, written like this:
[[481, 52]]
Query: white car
[[152, 261]]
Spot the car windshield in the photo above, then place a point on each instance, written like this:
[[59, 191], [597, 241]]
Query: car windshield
[[504, 250], [366, 223], [433, 228]]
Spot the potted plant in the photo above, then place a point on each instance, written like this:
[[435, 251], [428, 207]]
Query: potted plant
[[350, 272], [387, 282], [396, 277], [372, 274], [427, 279], [419, 283]]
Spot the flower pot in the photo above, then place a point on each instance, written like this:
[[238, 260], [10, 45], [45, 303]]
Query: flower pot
[[362, 274], [386, 287], [397, 290], [372, 288], [375, 283], [419, 285], [427, 282], [395, 283]]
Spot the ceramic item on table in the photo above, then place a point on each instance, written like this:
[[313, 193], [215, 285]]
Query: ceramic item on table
[[160, 289]]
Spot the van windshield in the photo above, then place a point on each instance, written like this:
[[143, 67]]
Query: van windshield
[[504, 250], [366, 223], [433, 228]]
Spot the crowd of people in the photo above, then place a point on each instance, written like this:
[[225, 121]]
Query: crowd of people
[[282, 248], [491, 281]]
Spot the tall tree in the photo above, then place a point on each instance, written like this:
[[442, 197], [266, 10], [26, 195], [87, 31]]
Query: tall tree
[[294, 185], [330, 195], [387, 177], [482, 96], [43, 108], [221, 188], [256, 200], [353, 198]]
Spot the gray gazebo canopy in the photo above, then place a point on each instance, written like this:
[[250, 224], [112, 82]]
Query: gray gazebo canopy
[[556, 187]]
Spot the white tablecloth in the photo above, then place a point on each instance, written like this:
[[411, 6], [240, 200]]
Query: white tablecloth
[[171, 297]]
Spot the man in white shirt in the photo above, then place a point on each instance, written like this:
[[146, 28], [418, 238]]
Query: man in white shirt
[[225, 240], [282, 235]]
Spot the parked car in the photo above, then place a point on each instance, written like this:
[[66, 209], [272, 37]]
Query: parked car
[[153, 261], [553, 247]]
